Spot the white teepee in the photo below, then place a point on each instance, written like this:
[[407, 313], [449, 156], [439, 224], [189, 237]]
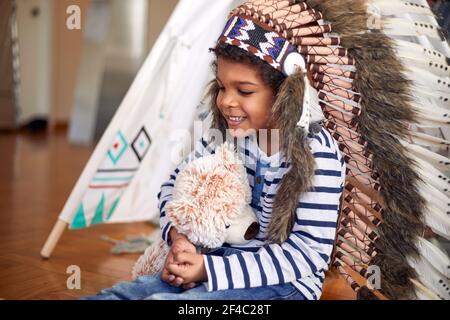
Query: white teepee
[[121, 181]]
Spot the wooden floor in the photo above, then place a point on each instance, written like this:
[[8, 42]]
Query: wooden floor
[[37, 174]]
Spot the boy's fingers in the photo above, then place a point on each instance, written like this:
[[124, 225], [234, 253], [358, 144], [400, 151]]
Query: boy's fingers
[[189, 285], [184, 257], [176, 269], [173, 268], [165, 275], [177, 282]]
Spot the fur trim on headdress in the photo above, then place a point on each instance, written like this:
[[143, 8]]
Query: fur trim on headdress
[[385, 109], [294, 144]]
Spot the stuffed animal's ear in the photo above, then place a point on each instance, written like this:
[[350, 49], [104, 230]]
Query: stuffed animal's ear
[[227, 156], [180, 213]]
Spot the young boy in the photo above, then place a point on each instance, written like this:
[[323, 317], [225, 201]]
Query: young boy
[[297, 184]]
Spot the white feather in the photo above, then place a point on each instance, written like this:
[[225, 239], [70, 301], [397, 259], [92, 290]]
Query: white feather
[[426, 140], [430, 120], [434, 187], [424, 293], [430, 141], [437, 68], [431, 194], [437, 160], [434, 256], [403, 27], [432, 111], [431, 174], [430, 277], [422, 2], [389, 7], [413, 50], [427, 80], [437, 220], [430, 99]]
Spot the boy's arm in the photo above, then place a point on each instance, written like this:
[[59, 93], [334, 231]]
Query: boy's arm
[[309, 246], [165, 195]]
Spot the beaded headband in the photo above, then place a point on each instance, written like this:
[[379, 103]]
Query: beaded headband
[[259, 40]]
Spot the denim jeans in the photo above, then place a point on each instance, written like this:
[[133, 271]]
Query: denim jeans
[[153, 288]]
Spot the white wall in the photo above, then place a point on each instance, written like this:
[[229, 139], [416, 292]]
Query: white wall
[[35, 45]]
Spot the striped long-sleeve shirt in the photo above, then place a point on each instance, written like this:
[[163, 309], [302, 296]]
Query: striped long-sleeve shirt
[[304, 257]]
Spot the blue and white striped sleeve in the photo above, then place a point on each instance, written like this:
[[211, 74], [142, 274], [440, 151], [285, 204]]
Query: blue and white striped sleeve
[[309, 246], [165, 195]]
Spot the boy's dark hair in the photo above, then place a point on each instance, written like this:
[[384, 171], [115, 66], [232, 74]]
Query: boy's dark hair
[[269, 75]]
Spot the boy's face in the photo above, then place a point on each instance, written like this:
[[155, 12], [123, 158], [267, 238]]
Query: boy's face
[[244, 100]]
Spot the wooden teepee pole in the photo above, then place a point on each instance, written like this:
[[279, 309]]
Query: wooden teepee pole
[[53, 238]]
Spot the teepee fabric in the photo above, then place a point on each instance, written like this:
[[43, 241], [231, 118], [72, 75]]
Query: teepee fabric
[[121, 181]]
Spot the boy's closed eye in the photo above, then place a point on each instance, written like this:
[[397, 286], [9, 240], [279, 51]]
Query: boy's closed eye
[[241, 91], [245, 93]]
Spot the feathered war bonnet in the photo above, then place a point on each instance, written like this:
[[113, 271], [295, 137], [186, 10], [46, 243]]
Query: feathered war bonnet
[[263, 29], [327, 52]]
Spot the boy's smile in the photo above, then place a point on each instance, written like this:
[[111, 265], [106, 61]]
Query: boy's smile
[[244, 100], [234, 121]]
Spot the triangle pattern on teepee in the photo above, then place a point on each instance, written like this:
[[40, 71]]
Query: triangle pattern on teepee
[[98, 217], [79, 222]]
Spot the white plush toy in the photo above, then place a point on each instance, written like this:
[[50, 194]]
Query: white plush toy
[[210, 205]]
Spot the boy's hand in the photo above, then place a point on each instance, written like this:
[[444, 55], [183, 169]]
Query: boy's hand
[[188, 266], [179, 244], [170, 278]]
